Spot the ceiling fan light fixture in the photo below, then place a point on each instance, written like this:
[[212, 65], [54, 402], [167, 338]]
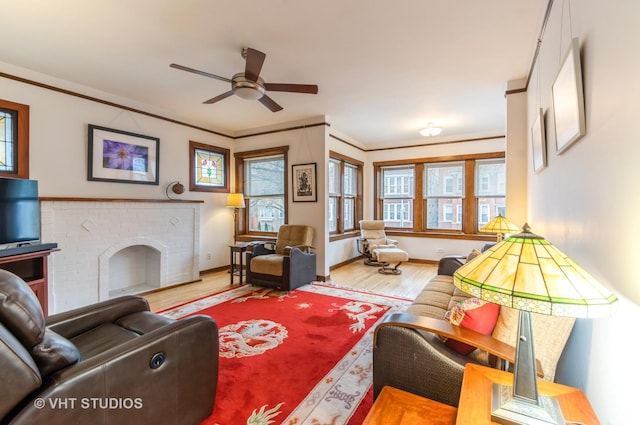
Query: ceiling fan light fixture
[[430, 131], [246, 89], [248, 93]]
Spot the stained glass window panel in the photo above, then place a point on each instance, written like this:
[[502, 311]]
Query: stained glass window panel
[[7, 140], [209, 168]]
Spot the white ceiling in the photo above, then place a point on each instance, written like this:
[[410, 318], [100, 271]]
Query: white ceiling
[[385, 68]]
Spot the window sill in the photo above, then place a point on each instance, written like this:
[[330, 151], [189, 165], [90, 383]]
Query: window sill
[[346, 235], [441, 235], [252, 238]]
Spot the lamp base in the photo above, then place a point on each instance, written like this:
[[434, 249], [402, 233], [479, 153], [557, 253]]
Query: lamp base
[[505, 409]]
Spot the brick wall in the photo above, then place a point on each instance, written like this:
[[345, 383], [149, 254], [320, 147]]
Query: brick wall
[[90, 232]]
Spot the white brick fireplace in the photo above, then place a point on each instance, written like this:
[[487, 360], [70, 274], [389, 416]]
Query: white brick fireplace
[[115, 247]]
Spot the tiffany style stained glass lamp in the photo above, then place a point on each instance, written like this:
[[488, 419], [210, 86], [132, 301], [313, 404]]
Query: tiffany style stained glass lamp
[[527, 273], [500, 226]]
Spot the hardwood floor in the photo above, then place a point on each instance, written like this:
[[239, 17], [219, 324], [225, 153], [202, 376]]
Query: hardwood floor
[[354, 275]]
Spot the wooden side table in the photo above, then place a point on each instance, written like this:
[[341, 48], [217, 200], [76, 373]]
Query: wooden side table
[[236, 268], [475, 397], [394, 407]]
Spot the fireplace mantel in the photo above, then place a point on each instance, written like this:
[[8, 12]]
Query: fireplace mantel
[[65, 199]]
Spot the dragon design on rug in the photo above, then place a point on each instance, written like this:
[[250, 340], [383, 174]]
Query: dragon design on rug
[[264, 417], [263, 294], [250, 338], [360, 312]]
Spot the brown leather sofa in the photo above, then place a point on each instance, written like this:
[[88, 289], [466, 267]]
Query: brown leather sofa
[[113, 362], [409, 355]]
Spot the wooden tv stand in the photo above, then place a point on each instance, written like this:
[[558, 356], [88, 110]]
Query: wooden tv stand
[[32, 268]]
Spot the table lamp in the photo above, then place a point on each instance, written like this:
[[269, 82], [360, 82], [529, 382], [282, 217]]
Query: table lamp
[[527, 273], [235, 201], [499, 225]]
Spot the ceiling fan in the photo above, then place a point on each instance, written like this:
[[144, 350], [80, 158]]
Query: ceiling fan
[[249, 85]]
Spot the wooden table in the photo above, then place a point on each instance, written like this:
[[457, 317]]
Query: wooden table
[[240, 249], [475, 398], [394, 407]]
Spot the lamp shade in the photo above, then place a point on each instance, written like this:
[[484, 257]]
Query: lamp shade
[[528, 273], [500, 225], [235, 200]]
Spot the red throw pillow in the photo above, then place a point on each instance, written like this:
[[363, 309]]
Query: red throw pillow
[[472, 313]]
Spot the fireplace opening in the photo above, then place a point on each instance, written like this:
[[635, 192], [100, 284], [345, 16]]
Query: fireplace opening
[[133, 270], [132, 266]]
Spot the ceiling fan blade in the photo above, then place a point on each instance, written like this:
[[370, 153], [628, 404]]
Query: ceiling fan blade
[[295, 88], [219, 97], [254, 60], [195, 71], [270, 103]]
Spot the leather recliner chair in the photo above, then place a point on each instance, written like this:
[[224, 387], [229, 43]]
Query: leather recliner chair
[[289, 265], [372, 237], [113, 362]]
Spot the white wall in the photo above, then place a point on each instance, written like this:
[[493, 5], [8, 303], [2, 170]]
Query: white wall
[[585, 202], [516, 153], [344, 249], [306, 145], [58, 153]]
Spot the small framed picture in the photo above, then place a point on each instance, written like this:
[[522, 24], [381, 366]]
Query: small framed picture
[[208, 168], [122, 157], [304, 182], [538, 142]]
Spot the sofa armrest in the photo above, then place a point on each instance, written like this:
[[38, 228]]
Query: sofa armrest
[[73, 322], [260, 248], [450, 263], [443, 328], [303, 248]]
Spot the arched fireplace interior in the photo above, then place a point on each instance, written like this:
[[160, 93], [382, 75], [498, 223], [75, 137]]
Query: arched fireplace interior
[[133, 270]]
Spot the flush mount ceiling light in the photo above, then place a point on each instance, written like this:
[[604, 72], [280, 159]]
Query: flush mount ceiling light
[[430, 130]]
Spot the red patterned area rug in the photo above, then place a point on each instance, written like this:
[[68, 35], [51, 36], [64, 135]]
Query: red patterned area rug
[[298, 358]]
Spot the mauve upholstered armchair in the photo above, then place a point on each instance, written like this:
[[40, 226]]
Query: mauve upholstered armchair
[[289, 265], [113, 362]]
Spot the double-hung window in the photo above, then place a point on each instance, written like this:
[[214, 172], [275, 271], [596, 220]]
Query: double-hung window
[[345, 193], [443, 194], [490, 189], [397, 195], [349, 194], [261, 176], [335, 190]]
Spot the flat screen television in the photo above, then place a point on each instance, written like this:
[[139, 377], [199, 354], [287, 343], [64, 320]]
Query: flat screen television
[[19, 211]]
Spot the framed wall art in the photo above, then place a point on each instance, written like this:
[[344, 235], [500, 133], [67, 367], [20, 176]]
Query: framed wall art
[[304, 182], [122, 157], [568, 100], [538, 142], [208, 168]]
